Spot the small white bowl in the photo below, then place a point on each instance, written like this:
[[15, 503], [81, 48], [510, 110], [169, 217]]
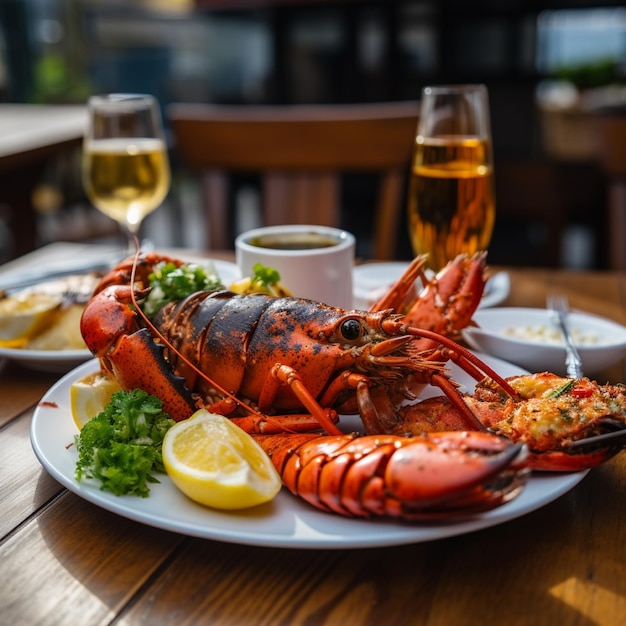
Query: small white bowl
[[527, 337]]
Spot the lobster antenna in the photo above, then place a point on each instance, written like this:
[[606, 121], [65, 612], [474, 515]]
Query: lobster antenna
[[169, 345], [474, 366]]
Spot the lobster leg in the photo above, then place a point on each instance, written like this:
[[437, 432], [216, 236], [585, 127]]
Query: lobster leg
[[282, 374], [401, 290], [371, 413], [275, 424]]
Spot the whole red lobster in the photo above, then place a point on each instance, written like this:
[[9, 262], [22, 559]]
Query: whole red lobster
[[281, 365]]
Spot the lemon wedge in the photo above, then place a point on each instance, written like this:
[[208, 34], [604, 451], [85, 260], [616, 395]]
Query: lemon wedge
[[23, 316], [215, 463], [89, 395], [241, 286]]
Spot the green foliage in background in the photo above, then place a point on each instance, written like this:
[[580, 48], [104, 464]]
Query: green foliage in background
[[55, 83], [590, 75]]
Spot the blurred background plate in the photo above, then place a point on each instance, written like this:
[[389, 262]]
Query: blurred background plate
[[56, 361], [61, 361]]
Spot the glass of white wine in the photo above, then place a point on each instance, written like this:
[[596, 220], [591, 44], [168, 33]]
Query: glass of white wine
[[126, 172], [451, 202]]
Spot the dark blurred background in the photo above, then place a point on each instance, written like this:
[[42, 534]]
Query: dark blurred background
[[550, 67]]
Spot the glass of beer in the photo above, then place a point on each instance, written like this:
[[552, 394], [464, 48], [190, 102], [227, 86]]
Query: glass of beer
[[126, 172], [451, 203]]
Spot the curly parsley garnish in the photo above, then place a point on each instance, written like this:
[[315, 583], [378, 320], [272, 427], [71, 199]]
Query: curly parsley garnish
[[170, 283], [121, 446]]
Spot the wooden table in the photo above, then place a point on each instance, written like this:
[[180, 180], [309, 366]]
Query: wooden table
[[31, 135], [65, 561]]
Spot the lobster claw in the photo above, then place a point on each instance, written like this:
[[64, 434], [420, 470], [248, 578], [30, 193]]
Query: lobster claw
[[106, 318], [456, 472], [448, 465], [137, 362], [110, 329], [435, 476], [448, 300]]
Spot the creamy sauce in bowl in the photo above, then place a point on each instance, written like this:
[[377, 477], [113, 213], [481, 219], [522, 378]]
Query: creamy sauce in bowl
[[545, 334]]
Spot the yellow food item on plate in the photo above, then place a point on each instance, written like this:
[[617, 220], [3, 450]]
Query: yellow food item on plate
[[47, 316], [89, 395], [23, 316], [215, 463], [63, 332], [248, 285]]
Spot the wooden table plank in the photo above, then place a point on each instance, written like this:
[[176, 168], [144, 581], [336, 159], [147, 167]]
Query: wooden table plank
[[518, 572], [602, 293], [78, 564], [24, 387], [25, 486]]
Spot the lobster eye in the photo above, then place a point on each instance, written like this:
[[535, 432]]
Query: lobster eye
[[351, 329]]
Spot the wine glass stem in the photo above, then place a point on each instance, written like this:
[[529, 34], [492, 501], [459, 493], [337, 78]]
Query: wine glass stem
[[131, 234]]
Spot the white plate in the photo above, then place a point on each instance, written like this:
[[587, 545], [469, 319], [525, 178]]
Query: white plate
[[371, 280], [496, 290], [61, 361], [55, 361], [286, 522]]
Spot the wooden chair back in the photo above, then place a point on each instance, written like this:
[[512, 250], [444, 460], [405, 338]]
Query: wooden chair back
[[610, 136], [300, 152]]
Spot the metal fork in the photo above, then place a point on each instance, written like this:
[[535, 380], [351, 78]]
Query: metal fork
[[558, 307]]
